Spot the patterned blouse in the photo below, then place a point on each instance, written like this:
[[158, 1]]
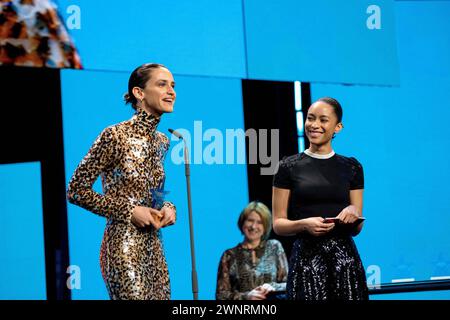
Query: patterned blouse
[[238, 274]]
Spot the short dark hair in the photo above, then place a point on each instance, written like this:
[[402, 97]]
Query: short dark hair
[[139, 78], [336, 106]]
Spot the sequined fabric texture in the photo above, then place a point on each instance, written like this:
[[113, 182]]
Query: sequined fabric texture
[[129, 158], [326, 268], [238, 275]]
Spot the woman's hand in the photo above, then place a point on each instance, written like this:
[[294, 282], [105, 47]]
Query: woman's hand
[[349, 214], [144, 216], [169, 216], [268, 287], [316, 226], [259, 293]]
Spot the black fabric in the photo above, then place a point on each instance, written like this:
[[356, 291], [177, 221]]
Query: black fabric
[[319, 187]]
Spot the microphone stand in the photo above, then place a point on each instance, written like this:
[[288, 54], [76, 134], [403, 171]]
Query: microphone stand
[[191, 222]]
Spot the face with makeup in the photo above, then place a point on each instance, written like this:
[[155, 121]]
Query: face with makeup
[[321, 124], [158, 96]]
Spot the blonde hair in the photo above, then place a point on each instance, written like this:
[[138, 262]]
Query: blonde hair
[[263, 211]]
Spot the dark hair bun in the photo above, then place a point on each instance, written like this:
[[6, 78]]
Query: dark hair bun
[[139, 78]]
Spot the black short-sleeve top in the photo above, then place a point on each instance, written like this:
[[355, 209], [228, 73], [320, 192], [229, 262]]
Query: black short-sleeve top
[[319, 187]]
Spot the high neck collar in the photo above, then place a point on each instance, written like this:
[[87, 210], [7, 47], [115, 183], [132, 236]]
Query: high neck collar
[[145, 121], [319, 156]]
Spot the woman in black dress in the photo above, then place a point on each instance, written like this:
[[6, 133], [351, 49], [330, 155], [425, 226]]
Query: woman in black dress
[[318, 184]]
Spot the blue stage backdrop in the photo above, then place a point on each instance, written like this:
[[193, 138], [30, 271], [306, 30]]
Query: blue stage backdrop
[[22, 262], [350, 41], [202, 37], [389, 129], [398, 133]]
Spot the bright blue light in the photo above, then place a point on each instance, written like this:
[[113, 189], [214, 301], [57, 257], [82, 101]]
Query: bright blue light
[[22, 259], [300, 130]]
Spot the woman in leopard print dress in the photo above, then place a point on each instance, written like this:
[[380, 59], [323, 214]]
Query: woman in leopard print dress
[[129, 158]]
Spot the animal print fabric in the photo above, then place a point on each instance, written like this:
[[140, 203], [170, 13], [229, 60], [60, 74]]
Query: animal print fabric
[[33, 34], [238, 273]]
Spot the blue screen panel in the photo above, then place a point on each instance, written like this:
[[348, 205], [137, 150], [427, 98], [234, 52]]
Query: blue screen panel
[[191, 37], [219, 191], [216, 201], [22, 262], [322, 41], [91, 102]]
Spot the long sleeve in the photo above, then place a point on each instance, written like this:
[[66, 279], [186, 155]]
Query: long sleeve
[[282, 268], [101, 156], [224, 289]]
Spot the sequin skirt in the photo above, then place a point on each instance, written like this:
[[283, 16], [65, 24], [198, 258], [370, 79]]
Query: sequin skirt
[[326, 268], [133, 264]]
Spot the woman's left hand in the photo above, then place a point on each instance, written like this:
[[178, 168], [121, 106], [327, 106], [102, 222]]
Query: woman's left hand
[[267, 287], [169, 216], [349, 214]]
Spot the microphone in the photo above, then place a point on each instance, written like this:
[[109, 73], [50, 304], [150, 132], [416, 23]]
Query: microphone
[[191, 222], [176, 134]]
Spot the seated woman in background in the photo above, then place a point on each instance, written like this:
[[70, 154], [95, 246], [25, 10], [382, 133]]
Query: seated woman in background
[[256, 266]]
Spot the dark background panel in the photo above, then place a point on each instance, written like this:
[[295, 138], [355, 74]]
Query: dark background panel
[[271, 105], [31, 130]]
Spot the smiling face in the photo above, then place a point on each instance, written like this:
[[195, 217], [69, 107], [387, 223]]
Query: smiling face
[[253, 227], [159, 95], [321, 123]]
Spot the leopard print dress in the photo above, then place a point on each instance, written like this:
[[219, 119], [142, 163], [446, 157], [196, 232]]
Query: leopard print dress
[[129, 158]]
